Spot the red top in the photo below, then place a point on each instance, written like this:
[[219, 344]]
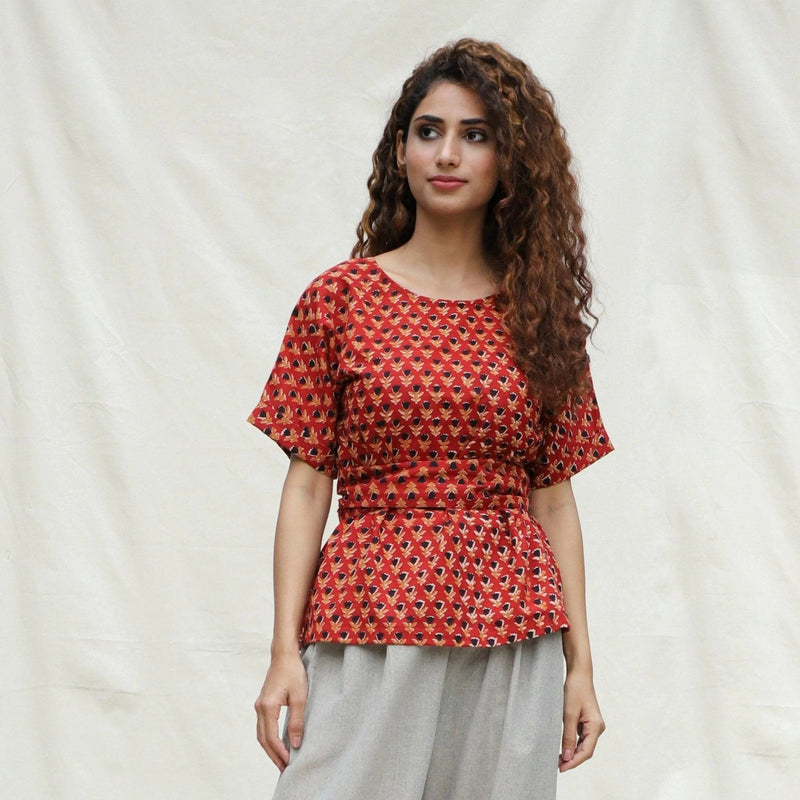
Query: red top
[[415, 405]]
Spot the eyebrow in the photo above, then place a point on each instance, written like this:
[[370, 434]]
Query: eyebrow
[[470, 121]]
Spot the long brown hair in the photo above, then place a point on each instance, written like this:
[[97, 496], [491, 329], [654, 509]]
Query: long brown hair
[[532, 231]]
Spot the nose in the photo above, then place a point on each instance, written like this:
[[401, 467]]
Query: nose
[[449, 152]]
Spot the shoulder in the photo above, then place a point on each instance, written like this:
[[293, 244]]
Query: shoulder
[[334, 290], [350, 278], [347, 274]]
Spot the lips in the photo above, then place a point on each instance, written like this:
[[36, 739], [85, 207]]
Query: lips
[[446, 181]]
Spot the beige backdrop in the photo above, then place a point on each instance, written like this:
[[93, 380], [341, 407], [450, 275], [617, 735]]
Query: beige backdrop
[[174, 173]]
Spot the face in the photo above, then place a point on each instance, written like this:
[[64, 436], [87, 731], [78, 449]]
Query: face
[[450, 153]]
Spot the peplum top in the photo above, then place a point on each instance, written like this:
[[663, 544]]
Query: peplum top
[[416, 407]]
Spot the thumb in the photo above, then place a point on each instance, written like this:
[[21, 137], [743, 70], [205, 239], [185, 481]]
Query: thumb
[[296, 712], [570, 736]]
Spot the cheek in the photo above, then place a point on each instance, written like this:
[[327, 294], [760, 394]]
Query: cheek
[[416, 157], [416, 166], [490, 169]]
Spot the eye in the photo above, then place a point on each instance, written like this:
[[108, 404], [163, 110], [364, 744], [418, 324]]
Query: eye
[[426, 132], [476, 135]]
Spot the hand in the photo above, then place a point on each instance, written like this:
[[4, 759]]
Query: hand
[[583, 722], [286, 684]]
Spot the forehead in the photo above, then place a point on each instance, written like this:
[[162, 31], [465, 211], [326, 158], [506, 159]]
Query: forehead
[[446, 99]]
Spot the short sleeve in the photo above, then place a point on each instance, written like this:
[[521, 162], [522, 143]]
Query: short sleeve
[[573, 438], [299, 406]]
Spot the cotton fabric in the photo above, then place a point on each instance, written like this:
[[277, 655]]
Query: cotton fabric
[[416, 405], [429, 723]]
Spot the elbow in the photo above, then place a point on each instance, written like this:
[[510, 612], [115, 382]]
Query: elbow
[[313, 485], [552, 500]]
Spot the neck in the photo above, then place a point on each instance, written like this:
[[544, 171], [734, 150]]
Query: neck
[[452, 247]]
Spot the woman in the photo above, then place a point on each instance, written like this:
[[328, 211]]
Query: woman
[[441, 376]]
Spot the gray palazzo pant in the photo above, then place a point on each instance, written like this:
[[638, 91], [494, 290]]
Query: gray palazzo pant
[[406, 722]]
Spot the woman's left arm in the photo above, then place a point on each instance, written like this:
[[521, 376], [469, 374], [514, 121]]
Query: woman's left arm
[[555, 509]]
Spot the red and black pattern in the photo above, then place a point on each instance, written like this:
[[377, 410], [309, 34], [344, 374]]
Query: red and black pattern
[[417, 408]]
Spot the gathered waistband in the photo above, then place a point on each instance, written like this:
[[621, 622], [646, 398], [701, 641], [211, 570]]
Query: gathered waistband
[[433, 492]]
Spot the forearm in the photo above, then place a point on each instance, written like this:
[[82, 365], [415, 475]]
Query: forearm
[[556, 511], [554, 507], [304, 506]]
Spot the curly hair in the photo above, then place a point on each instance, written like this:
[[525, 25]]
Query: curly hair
[[532, 231]]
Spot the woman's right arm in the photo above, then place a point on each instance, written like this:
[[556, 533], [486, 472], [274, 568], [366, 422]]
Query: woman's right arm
[[305, 503]]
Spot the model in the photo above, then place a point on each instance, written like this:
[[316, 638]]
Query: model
[[437, 647]]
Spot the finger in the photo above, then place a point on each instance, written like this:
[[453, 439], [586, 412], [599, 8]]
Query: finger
[[268, 715], [589, 734], [570, 736], [297, 710], [583, 752], [276, 747]]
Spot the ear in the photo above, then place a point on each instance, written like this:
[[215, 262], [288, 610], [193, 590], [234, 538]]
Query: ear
[[400, 147]]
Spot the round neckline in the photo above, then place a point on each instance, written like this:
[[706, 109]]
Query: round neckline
[[399, 286]]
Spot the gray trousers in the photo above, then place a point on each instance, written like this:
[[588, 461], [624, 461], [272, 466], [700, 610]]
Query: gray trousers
[[405, 722]]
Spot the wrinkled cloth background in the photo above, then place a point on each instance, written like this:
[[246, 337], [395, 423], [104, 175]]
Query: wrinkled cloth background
[[174, 174]]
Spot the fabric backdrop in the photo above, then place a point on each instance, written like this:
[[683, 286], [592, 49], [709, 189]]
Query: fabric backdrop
[[174, 173]]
